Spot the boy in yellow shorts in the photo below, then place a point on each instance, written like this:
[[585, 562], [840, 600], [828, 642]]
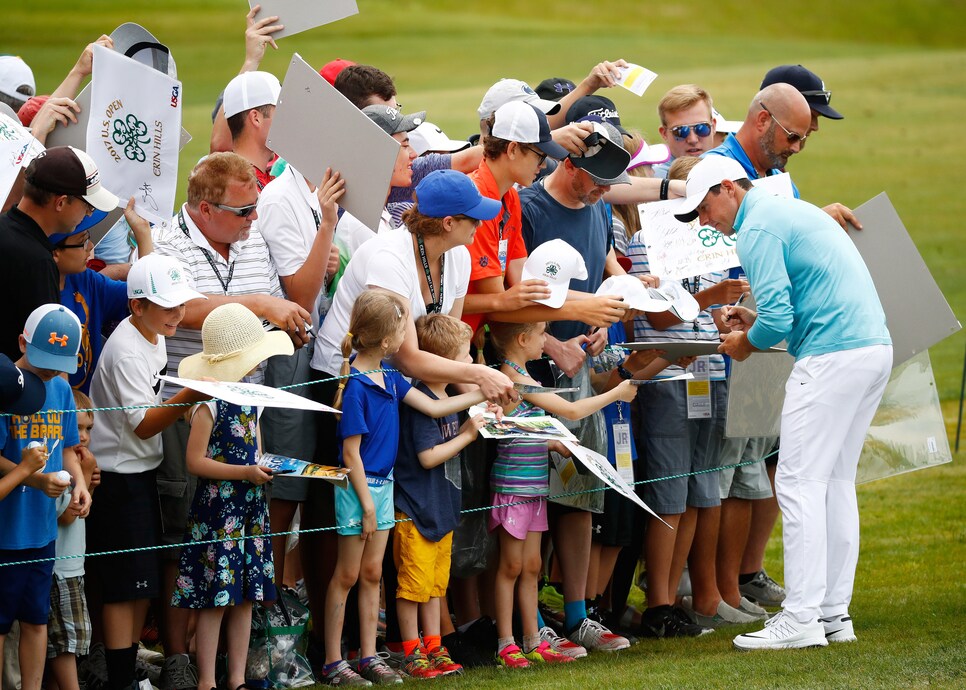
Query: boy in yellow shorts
[[427, 490]]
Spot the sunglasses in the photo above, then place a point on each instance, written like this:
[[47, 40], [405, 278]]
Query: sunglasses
[[825, 95], [793, 137], [240, 211], [701, 129]]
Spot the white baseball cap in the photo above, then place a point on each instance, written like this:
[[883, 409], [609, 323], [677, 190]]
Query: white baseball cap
[[723, 125], [682, 305], [429, 137], [634, 293], [525, 124], [16, 78], [557, 263], [710, 171], [250, 90], [160, 279], [509, 90]]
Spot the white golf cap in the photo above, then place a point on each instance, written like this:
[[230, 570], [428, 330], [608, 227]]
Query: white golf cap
[[160, 279], [683, 305], [428, 137], [250, 90], [557, 263], [16, 78], [507, 90], [634, 293], [723, 125], [709, 171]]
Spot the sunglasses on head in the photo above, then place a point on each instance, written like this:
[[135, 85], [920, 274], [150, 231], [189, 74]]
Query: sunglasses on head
[[824, 95], [240, 211], [701, 129]]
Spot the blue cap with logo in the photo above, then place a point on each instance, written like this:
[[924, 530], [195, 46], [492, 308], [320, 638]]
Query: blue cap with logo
[[53, 335]]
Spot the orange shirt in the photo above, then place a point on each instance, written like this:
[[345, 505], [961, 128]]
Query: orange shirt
[[485, 251]]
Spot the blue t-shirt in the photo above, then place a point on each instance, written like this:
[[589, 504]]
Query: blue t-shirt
[[811, 286], [373, 413], [28, 516], [587, 229], [731, 148], [430, 497], [96, 300]]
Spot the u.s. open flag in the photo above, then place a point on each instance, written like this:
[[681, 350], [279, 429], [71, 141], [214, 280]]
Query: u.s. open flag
[[133, 132]]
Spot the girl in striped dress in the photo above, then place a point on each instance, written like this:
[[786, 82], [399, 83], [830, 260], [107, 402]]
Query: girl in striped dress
[[519, 483]]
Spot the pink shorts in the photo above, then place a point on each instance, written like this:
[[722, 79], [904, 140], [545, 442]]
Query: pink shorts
[[517, 520]]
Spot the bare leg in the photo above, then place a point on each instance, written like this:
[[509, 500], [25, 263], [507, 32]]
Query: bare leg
[[764, 515], [369, 576], [701, 561], [682, 547], [209, 627], [33, 653], [345, 576], [527, 584], [659, 544], [572, 538], [735, 523], [238, 631], [429, 617], [64, 670], [409, 615], [176, 621], [280, 514], [511, 564]]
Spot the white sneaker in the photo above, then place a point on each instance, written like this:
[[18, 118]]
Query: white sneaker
[[782, 631], [725, 615], [838, 628], [561, 645]]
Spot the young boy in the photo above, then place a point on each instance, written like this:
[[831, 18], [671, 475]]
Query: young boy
[[69, 625], [428, 490], [49, 345], [128, 446]]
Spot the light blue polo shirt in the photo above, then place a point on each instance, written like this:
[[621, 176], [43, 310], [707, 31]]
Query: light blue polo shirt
[[810, 283]]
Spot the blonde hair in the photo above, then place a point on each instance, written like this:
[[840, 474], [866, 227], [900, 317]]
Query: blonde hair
[[681, 167], [376, 315], [442, 334], [211, 177], [681, 98], [628, 213], [82, 403], [502, 335]]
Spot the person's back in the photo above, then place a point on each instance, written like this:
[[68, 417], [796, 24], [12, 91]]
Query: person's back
[[835, 302]]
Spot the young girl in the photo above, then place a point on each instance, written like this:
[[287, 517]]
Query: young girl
[[521, 471], [229, 502], [369, 430]]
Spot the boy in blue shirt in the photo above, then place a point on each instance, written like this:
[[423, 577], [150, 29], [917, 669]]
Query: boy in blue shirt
[[49, 345]]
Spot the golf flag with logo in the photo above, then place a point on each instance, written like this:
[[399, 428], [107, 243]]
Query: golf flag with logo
[[17, 148], [134, 131]]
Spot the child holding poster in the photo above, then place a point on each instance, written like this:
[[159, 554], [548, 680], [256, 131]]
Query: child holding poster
[[364, 513], [222, 579], [520, 472]]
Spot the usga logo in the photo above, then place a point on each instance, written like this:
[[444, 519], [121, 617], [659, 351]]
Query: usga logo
[[175, 94]]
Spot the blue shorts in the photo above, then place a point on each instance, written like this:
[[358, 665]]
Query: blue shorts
[[25, 589], [348, 510]]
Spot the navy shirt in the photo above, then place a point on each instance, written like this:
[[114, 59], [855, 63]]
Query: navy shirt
[[587, 229], [430, 497], [370, 411]]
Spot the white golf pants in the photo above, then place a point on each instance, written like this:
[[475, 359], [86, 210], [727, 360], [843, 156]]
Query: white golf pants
[[830, 400]]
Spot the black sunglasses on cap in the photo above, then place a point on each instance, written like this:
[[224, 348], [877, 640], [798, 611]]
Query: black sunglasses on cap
[[825, 95]]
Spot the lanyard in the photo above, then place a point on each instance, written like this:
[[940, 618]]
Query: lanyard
[[434, 307], [505, 218], [692, 287], [211, 262]]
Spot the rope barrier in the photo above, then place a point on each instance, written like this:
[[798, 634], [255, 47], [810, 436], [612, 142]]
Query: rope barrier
[[314, 530]]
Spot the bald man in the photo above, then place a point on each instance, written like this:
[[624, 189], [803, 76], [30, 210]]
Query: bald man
[[775, 129]]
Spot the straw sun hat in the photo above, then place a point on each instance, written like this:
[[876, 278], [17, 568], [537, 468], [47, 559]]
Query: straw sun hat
[[234, 344]]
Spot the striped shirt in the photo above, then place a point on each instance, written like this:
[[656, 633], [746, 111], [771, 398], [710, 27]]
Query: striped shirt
[[249, 264], [702, 328], [522, 466]]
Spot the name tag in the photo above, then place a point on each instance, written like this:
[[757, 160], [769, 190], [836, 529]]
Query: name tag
[[699, 389], [622, 451]]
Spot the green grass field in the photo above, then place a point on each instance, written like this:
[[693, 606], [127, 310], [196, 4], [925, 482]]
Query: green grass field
[[897, 69]]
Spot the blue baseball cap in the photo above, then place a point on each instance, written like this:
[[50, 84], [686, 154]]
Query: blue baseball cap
[[21, 392], [53, 335], [451, 193]]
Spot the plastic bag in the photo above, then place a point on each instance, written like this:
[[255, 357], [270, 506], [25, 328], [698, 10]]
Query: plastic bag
[[276, 652]]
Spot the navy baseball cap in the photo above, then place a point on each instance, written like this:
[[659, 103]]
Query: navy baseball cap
[[596, 106], [21, 392], [808, 84], [451, 193]]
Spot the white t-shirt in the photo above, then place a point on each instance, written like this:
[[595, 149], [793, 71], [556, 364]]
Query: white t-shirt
[[352, 234], [127, 374], [288, 224], [387, 261]]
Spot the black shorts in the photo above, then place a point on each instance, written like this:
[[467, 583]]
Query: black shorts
[[124, 516], [615, 526]]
